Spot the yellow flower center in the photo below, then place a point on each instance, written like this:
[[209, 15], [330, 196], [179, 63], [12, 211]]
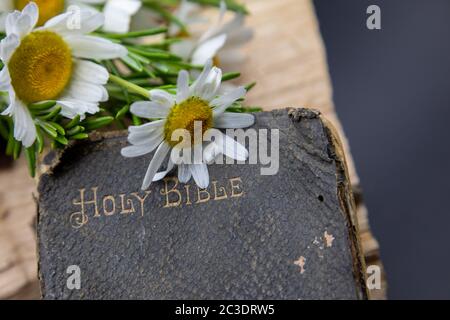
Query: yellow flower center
[[216, 61], [41, 67], [184, 115], [183, 34], [47, 8]]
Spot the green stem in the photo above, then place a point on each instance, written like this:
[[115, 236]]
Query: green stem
[[131, 87], [136, 34]]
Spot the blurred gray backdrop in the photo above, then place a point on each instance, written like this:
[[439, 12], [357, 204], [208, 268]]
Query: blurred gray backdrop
[[392, 93]]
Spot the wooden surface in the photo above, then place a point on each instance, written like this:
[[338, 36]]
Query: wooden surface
[[288, 60], [18, 258]]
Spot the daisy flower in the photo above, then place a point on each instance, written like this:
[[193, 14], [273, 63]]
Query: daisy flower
[[221, 42], [190, 105], [48, 63], [117, 13]]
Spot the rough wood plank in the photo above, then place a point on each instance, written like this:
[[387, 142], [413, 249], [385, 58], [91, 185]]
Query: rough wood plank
[[18, 267]]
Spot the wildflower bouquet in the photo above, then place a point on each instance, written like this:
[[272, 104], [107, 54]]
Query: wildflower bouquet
[[71, 67]]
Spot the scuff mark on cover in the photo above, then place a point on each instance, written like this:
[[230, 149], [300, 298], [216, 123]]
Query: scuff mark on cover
[[301, 263], [329, 238]]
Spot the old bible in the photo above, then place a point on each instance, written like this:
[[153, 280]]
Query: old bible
[[289, 235]]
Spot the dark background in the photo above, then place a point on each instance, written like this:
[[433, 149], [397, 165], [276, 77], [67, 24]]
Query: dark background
[[392, 93]]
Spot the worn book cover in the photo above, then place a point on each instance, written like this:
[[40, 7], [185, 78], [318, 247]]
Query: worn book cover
[[291, 235]]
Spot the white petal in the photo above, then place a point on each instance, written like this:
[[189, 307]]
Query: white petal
[[105, 95], [21, 23], [70, 108], [200, 174], [233, 149], [131, 7], [118, 15], [223, 102], [208, 49], [211, 151], [162, 174], [211, 85], [182, 86], [7, 47], [91, 47], [198, 83], [12, 103], [90, 72], [24, 127], [162, 97], [32, 11], [156, 162], [149, 110], [80, 90], [58, 23], [149, 138], [10, 21], [140, 149], [116, 22], [234, 120], [5, 79], [75, 22], [90, 21], [148, 127], [184, 173]]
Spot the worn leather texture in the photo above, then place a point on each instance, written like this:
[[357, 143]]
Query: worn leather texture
[[286, 236]]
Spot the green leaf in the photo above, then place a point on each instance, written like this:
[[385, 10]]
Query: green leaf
[[3, 130], [153, 54], [39, 141], [75, 121], [139, 58], [42, 105], [30, 155], [136, 120], [56, 110], [58, 128], [232, 5], [132, 63], [250, 86], [11, 141], [48, 129], [62, 140], [230, 76], [80, 136], [17, 149], [122, 112], [75, 130], [136, 34], [97, 123]]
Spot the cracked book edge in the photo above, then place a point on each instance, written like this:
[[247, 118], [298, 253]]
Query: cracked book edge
[[51, 159], [347, 201], [344, 193]]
